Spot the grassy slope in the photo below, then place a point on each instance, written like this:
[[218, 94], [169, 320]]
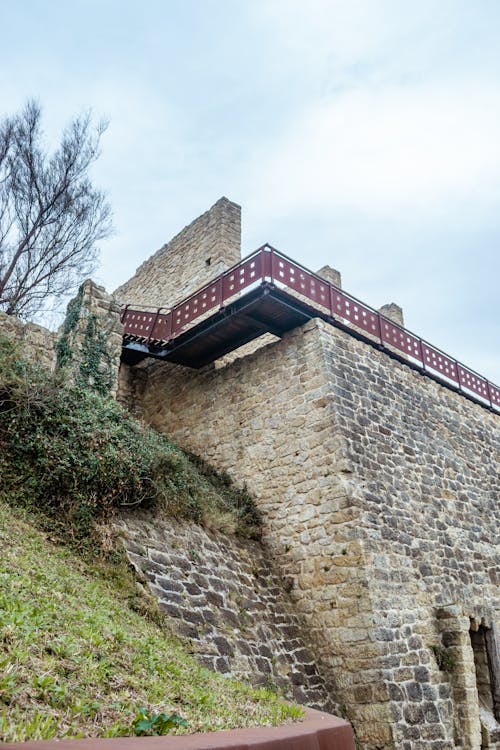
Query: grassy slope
[[75, 660]]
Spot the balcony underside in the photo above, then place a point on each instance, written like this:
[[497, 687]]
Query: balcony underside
[[265, 309]]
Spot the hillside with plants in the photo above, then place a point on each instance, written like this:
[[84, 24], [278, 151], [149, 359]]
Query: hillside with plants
[[83, 652], [77, 660]]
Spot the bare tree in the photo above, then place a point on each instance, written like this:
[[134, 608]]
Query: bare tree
[[51, 216]]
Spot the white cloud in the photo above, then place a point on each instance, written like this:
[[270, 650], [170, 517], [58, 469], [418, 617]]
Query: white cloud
[[383, 149]]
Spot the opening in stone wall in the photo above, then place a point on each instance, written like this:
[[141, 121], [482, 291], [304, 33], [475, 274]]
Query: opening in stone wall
[[483, 678], [484, 642]]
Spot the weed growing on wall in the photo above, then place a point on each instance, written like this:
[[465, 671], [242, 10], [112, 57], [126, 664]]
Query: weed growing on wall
[[445, 658], [75, 456], [243, 509]]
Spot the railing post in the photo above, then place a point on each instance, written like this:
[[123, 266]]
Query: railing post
[[219, 296], [330, 299], [123, 314], [155, 321], [263, 263], [169, 318], [421, 353], [172, 321], [380, 329], [489, 393]]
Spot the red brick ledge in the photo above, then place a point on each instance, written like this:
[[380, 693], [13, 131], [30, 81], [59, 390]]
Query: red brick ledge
[[317, 731]]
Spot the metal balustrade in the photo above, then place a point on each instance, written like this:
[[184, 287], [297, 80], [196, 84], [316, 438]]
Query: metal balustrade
[[160, 326]]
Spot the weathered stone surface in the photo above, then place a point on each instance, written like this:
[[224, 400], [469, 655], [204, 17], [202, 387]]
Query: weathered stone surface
[[201, 251], [331, 275], [394, 312], [379, 494], [36, 342], [99, 327], [236, 614]]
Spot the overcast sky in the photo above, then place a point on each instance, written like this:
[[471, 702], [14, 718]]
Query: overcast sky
[[362, 134]]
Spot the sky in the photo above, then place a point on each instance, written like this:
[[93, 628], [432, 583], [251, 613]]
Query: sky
[[362, 134]]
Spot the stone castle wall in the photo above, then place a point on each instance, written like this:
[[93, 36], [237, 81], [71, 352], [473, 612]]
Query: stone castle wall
[[36, 342], [379, 494], [221, 594], [426, 468], [90, 340], [267, 419], [201, 251]]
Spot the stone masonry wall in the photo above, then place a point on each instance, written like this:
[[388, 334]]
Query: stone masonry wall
[[426, 465], [201, 251], [35, 341], [379, 493], [221, 593], [90, 341], [95, 333], [267, 419]]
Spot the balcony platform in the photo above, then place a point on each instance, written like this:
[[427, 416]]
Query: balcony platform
[[265, 309]]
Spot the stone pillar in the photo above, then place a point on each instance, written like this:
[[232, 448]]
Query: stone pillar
[[393, 312], [90, 341], [332, 275], [454, 628]]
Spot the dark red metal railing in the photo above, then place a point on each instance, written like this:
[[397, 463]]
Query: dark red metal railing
[[160, 326]]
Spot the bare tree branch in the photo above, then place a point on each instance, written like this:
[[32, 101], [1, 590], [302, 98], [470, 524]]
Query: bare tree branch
[[51, 216]]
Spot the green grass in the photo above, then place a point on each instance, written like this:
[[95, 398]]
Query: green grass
[[82, 651], [76, 660]]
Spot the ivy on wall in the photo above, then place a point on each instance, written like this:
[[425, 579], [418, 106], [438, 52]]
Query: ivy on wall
[[96, 369], [94, 366]]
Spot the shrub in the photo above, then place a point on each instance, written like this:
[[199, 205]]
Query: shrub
[[76, 455]]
